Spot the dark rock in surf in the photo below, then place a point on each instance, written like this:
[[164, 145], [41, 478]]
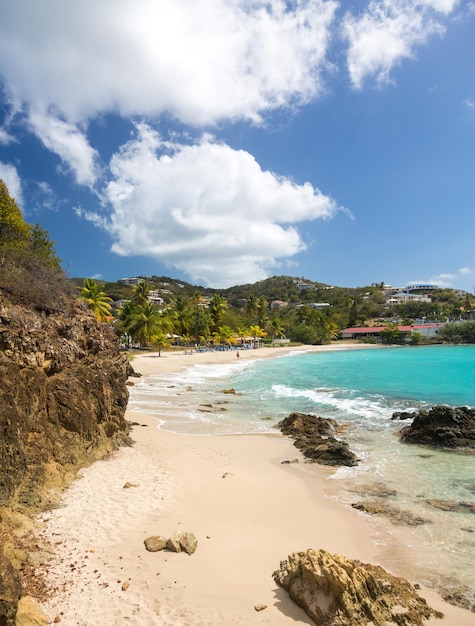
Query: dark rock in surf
[[442, 427], [403, 415], [315, 438]]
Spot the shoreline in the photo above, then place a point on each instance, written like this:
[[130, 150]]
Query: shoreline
[[247, 510]]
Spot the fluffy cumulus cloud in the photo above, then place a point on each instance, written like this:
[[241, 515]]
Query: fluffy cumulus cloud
[[68, 142], [205, 209], [200, 60], [388, 32]]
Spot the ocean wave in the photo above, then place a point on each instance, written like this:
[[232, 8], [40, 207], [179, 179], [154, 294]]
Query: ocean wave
[[344, 402]]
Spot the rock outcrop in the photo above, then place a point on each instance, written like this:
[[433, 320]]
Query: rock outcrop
[[442, 427], [315, 438], [63, 397], [335, 591], [394, 514]]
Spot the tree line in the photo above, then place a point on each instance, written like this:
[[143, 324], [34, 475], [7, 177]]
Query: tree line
[[30, 272], [187, 321]]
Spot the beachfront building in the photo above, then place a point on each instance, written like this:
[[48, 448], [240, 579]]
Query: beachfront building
[[428, 331]]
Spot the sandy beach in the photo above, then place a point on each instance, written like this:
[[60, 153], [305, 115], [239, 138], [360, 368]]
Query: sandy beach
[[247, 510]]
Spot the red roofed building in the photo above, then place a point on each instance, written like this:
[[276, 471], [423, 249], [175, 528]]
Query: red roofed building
[[358, 332]]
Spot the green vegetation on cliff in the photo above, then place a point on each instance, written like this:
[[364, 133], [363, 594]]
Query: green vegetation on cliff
[[30, 270]]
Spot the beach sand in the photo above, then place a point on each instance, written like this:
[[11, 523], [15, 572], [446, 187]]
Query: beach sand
[[247, 510]]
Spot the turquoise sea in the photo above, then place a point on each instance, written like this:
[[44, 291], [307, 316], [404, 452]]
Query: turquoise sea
[[360, 388]]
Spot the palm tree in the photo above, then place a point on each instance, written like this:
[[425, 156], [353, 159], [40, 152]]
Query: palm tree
[[276, 328], [201, 319], [146, 323], [125, 316], [468, 304], [241, 333], [262, 311], [217, 307], [252, 305], [96, 299], [257, 333], [161, 341], [182, 316], [141, 291], [332, 329], [224, 335]]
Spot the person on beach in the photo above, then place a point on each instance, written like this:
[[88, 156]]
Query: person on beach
[[237, 354]]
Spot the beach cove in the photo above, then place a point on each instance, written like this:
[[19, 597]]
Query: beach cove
[[247, 509]]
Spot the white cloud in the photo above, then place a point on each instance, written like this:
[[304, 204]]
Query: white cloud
[[205, 209], [11, 178], [449, 279], [67, 141], [388, 32], [467, 271], [201, 61], [5, 137]]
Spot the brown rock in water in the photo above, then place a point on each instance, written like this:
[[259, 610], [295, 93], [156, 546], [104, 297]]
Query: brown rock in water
[[395, 515], [442, 427], [315, 438], [451, 506], [375, 490], [155, 543], [335, 591]]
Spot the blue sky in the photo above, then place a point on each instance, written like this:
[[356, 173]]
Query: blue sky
[[223, 142]]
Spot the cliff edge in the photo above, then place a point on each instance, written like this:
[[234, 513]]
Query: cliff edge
[[63, 397]]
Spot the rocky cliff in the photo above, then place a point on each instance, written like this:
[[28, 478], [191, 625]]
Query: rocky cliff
[[63, 397]]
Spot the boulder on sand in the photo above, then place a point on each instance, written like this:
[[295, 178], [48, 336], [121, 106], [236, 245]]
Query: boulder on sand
[[335, 591]]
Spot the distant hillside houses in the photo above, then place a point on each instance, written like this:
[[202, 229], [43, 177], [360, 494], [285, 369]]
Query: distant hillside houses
[[411, 288], [154, 296], [131, 281], [319, 306], [277, 304], [404, 297]]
